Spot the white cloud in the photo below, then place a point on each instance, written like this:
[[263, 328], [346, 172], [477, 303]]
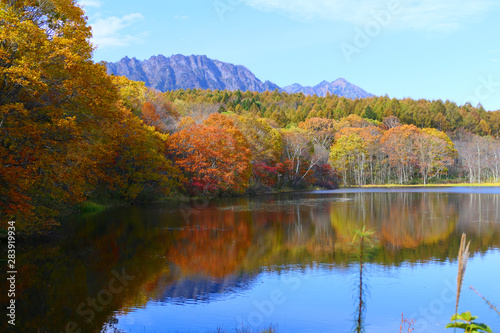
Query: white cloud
[[108, 31], [429, 15], [90, 3], [181, 17]]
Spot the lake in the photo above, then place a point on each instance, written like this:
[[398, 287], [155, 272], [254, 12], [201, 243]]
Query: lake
[[286, 260]]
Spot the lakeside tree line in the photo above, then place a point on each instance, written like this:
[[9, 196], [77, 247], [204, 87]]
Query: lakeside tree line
[[374, 140], [69, 133]]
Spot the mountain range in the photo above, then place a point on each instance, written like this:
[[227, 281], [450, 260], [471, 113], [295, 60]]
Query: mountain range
[[200, 72]]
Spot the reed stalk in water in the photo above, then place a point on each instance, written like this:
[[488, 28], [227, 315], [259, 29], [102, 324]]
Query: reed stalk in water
[[463, 256], [493, 307]]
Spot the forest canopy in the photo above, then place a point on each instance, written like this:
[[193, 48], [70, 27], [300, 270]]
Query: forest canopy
[[70, 133]]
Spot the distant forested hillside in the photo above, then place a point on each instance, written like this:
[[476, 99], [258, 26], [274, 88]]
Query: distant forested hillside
[[289, 109]]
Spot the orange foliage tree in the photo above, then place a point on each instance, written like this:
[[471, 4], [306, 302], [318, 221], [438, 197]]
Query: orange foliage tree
[[67, 132], [321, 130], [435, 153], [214, 156], [132, 163], [50, 94], [398, 144]]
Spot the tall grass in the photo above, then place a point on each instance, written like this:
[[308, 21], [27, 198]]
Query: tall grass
[[465, 321]]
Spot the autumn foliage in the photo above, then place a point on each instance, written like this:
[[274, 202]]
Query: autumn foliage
[[67, 134], [70, 133], [51, 96], [370, 155], [214, 156], [215, 248]]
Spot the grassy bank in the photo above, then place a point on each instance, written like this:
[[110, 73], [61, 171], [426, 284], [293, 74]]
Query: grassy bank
[[91, 207]]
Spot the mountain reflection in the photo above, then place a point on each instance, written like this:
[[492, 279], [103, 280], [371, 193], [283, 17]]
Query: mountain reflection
[[221, 249], [194, 290]]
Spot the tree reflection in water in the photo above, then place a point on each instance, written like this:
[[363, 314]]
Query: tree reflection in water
[[226, 246]]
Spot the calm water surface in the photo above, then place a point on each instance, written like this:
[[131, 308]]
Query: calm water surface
[[285, 260]]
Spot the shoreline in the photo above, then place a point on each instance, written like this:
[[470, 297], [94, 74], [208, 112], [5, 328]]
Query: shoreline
[[99, 207], [432, 185]]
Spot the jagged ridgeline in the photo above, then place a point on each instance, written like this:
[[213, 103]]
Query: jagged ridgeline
[[200, 80], [200, 72]]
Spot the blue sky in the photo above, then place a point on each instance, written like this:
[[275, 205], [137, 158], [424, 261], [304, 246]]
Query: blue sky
[[432, 49]]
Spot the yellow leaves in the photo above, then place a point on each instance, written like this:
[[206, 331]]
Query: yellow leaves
[[161, 136], [406, 148], [352, 120], [35, 57], [449, 145], [52, 101], [67, 122], [132, 161], [265, 142], [346, 148], [132, 93], [185, 122], [484, 128]]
